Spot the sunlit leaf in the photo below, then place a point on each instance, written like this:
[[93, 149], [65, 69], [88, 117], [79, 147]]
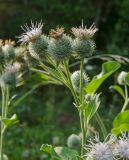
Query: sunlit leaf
[[10, 121], [108, 68]]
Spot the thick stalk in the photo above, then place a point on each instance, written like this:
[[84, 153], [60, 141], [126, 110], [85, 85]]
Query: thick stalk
[[4, 109], [82, 114]]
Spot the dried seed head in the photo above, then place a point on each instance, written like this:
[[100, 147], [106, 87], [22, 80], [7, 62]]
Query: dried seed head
[[31, 33], [75, 77], [84, 32], [58, 33]]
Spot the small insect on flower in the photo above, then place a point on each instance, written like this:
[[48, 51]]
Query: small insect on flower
[[83, 32], [31, 33], [121, 150], [99, 150]]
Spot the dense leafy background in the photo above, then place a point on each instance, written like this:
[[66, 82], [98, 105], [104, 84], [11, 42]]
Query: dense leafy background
[[48, 113]]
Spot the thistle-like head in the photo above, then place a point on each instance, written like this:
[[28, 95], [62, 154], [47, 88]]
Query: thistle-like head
[[57, 33], [83, 32], [31, 33], [98, 150], [122, 148]]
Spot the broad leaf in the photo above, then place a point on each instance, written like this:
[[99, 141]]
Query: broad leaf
[[50, 150], [121, 122], [10, 121], [118, 89], [66, 153], [122, 128], [108, 68]]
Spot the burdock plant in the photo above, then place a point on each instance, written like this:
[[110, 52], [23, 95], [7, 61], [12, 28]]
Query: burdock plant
[[54, 65], [10, 77]]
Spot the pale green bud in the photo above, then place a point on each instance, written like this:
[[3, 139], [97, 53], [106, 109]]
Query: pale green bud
[[8, 51], [38, 47], [60, 48], [84, 47], [75, 77], [121, 78], [5, 157], [73, 141]]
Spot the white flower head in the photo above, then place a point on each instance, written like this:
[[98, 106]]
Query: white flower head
[[122, 147], [31, 33], [99, 150], [83, 32]]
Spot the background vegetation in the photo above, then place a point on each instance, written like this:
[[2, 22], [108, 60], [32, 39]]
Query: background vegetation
[[48, 115]]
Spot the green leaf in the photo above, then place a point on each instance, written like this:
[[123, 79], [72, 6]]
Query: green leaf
[[121, 118], [121, 122], [66, 153], [127, 79], [122, 128], [92, 106], [108, 68], [50, 150], [118, 89], [10, 121]]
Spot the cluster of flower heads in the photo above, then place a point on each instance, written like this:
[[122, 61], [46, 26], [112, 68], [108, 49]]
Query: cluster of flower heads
[[13, 59], [114, 148], [58, 44]]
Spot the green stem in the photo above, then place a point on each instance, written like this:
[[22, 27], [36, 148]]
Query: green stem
[[126, 99], [4, 110], [82, 115], [71, 85]]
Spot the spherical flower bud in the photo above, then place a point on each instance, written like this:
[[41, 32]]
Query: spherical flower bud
[[19, 53], [8, 50], [59, 46], [33, 36], [9, 75], [73, 141], [75, 77], [38, 47], [84, 48], [83, 45], [122, 148], [121, 78]]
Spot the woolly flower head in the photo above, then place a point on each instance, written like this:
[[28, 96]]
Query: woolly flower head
[[59, 46], [122, 147], [83, 32], [99, 150], [31, 33]]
